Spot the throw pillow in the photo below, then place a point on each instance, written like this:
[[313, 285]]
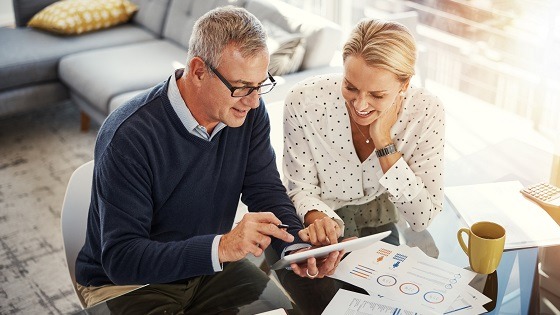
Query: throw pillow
[[286, 49], [72, 17]]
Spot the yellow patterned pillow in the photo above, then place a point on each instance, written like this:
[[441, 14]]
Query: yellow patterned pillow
[[72, 17]]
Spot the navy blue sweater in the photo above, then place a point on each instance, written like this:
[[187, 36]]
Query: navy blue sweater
[[160, 194]]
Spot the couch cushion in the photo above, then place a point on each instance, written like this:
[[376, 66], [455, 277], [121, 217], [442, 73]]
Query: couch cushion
[[287, 58], [182, 15], [120, 99], [28, 56], [73, 17], [151, 14], [322, 36], [25, 10], [97, 76], [286, 49]]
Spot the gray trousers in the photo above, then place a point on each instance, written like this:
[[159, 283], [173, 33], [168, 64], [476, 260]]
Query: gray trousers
[[237, 289]]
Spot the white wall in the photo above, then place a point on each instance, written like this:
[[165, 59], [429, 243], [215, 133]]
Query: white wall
[[6, 13]]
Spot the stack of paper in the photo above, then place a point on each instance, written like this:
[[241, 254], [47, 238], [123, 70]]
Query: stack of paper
[[526, 224], [405, 276]]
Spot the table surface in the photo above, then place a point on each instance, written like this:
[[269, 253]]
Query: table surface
[[516, 291]]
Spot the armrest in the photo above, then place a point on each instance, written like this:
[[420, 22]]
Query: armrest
[[24, 10]]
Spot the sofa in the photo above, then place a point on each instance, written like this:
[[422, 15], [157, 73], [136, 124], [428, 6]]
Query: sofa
[[98, 71]]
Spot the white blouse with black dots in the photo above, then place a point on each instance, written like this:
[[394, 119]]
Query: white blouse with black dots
[[323, 172]]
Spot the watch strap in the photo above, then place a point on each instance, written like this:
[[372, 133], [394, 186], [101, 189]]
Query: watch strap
[[390, 149]]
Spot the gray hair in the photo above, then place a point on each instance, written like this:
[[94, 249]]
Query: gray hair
[[385, 44], [224, 25]]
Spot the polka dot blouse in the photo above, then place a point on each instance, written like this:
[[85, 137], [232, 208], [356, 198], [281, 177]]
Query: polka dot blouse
[[323, 172]]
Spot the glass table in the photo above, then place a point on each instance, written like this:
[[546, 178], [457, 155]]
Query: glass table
[[517, 290], [513, 288]]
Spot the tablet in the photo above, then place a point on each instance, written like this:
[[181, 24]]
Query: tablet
[[318, 252]]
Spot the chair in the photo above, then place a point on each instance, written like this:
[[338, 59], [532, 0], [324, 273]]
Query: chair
[[73, 218]]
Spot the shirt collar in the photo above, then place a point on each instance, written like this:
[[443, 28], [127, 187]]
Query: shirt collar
[[183, 111]]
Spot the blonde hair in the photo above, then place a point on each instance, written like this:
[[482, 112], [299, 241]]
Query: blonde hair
[[384, 44], [222, 26]]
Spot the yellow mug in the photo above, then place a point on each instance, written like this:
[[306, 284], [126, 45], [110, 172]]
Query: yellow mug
[[486, 245]]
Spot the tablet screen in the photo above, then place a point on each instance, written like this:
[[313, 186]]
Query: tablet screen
[[318, 252]]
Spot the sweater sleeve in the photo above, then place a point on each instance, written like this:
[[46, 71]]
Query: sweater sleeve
[[262, 188], [125, 206]]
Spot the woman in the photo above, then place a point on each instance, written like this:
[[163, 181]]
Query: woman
[[364, 148]]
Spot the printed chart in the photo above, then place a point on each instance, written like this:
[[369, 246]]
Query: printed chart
[[404, 274], [346, 302]]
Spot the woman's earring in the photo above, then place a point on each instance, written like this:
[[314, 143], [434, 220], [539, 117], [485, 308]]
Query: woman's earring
[[401, 93]]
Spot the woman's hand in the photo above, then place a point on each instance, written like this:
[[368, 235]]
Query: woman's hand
[[323, 231], [380, 129]]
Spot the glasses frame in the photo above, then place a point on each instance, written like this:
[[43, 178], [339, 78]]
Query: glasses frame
[[232, 89]]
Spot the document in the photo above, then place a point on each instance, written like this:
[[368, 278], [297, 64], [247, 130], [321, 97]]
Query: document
[[406, 275], [348, 302], [279, 311], [469, 302], [526, 224]]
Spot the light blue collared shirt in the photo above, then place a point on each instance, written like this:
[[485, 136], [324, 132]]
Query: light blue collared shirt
[[185, 114]]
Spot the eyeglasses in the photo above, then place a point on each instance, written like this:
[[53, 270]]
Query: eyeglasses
[[245, 90]]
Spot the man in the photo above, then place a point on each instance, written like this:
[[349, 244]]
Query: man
[[171, 164]]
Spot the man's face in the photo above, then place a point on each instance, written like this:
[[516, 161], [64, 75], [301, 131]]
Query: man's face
[[239, 72]]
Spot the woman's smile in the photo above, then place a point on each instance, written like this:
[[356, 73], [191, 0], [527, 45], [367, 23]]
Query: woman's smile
[[364, 114]]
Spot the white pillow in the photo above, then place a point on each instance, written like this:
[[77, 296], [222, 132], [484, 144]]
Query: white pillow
[[286, 49]]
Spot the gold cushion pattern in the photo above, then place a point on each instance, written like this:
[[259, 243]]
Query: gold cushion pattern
[[72, 17]]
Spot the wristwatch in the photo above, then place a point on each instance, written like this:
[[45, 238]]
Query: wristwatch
[[390, 149]]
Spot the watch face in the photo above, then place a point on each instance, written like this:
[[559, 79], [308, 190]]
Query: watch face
[[390, 149]]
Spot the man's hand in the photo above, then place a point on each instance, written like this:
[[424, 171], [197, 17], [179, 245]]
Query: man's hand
[[323, 231], [318, 268], [251, 235]]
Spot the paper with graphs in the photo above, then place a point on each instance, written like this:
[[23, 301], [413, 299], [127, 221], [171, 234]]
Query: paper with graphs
[[406, 274], [348, 302]]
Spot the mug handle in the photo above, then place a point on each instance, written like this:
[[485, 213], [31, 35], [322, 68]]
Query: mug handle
[[461, 241]]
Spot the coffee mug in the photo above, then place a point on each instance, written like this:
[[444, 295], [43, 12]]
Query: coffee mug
[[486, 245]]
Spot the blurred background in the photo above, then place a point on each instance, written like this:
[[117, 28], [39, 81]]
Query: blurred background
[[503, 52]]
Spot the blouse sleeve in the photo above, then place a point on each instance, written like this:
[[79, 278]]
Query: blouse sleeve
[[415, 181], [300, 172]]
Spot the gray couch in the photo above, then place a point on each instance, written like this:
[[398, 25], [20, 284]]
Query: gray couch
[[99, 71]]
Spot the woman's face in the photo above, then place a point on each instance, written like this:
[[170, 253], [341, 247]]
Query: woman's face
[[368, 91]]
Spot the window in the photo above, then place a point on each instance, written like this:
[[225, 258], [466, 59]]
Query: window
[[502, 52]]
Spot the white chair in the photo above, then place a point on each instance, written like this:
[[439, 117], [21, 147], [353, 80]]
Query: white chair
[[73, 218]]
